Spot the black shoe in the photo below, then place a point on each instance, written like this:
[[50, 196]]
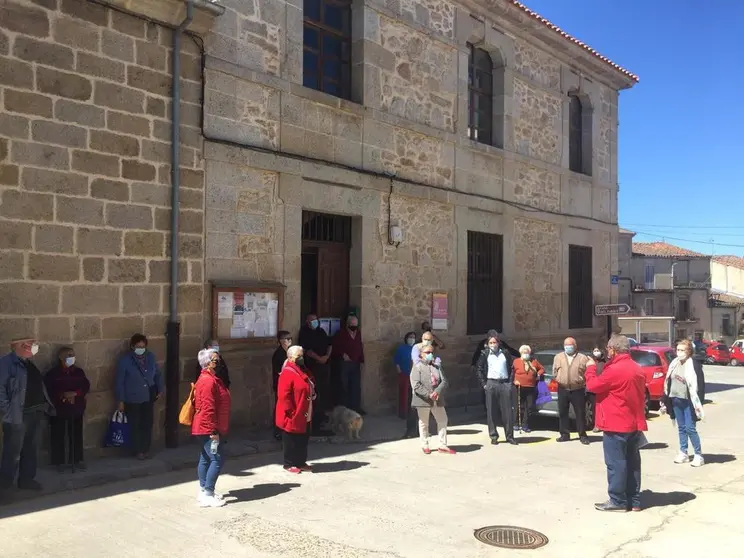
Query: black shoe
[[584, 440], [511, 441], [494, 441], [29, 485], [608, 506], [562, 439]]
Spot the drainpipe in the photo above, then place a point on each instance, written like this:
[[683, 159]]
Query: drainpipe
[[173, 331]]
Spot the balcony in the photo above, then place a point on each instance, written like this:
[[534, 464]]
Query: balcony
[[685, 317], [680, 283]]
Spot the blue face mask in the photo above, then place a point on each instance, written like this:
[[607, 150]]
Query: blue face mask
[[216, 348], [69, 361], [139, 351], [570, 349], [314, 324], [429, 357], [411, 341]]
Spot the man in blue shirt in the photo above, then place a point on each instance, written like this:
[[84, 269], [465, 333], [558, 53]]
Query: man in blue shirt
[[23, 401]]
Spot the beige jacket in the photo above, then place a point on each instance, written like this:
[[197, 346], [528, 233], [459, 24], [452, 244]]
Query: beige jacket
[[570, 377]]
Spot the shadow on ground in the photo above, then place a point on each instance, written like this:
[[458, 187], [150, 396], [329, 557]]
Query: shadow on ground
[[718, 388], [338, 466], [462, 431], [259, 492], [530, 439], [466, 448], [655, 446], [718, 458], [651, 499]]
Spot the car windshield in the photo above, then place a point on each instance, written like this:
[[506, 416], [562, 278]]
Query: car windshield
[[645, 358]]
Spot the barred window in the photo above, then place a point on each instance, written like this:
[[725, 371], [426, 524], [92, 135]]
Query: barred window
[[580, 290], [327, 46]]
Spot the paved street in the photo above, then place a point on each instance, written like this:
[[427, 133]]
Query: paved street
[[390, 500]]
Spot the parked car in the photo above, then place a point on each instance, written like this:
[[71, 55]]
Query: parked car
[[717, 353], [655, 362], [550, 409], [736, 353]]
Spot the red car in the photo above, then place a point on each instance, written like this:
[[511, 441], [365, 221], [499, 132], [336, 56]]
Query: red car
[[655, 363], [717, 353], [736, 352]]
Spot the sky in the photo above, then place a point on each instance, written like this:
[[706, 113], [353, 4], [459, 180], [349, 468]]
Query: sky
[[681, 131]]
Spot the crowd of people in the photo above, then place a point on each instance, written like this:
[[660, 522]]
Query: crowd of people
[[320, 371]]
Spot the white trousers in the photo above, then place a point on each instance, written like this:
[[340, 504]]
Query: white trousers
[[440, 415]]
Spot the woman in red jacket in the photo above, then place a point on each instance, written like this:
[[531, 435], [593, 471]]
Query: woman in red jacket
[[210, 426], [294, 409]]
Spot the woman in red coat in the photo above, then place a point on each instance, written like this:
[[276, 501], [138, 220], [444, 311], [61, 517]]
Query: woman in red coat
[[210, 426], [294, 409]]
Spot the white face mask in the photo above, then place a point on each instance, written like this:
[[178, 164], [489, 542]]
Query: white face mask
[[525, 356], [597, 354], [34, 348], [69, 361], [682, 355], [216, 348]]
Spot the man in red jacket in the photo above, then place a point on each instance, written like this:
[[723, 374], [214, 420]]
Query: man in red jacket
[[621, 415]]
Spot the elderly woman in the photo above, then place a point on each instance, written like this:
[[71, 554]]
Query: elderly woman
[[429, 384], [294, 410], [527, 372], [138, 385], [221, 370], [210, 426], [683, 404], [67, 386]]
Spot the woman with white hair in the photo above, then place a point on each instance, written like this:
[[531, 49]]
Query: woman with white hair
[[210, 426], [527, 372]]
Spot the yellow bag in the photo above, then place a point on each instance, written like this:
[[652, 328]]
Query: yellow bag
[[186, 416]]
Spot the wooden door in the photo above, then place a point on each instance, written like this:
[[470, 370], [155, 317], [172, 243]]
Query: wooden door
[[333, 280]]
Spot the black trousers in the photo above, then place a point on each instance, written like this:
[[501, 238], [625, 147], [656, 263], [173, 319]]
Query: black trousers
[[140, 418], [322, 375], [66, 440], [499, 398], [576, 398], [526, 405], [295, 448]]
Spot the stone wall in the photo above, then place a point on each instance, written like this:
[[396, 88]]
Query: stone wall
[[84, 167]]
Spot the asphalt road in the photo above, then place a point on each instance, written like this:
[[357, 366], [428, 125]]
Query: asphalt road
[[391, 500]]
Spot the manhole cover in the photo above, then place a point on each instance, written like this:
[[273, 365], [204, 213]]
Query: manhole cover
[[505, 536]]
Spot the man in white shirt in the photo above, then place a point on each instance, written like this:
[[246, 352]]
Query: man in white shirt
[[496, 374]]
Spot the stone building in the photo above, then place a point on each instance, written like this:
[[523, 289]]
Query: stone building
[[483, 135]]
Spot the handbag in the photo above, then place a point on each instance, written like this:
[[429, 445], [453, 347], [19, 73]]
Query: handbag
[[117, 435], [186, 416], [543, 394]]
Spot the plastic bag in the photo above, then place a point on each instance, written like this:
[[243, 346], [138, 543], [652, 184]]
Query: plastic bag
[[543, 394], [117, 435]]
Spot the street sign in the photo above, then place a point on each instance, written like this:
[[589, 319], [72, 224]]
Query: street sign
[[611, 309], [614, 279]]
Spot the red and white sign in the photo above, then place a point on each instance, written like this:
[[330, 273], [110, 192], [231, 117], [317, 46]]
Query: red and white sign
[[439, 311]]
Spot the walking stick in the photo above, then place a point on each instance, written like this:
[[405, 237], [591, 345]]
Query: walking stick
[[519, 407]]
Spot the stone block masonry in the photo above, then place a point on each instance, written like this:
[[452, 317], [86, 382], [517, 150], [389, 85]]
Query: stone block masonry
[[85, 188]]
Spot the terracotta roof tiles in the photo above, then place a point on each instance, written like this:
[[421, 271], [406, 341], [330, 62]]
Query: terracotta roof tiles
[[663, 250], [574, 40], [732, 261]]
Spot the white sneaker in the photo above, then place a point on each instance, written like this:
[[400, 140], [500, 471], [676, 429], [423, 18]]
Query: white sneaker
[[207, 501], [216, 495], [682, 457], [698, 460]]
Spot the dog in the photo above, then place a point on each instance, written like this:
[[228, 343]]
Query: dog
[[345, 422]]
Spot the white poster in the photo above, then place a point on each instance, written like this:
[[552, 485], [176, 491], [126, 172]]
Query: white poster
[[224, 305]]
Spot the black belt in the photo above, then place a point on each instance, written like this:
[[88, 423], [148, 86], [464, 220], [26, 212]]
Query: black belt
[[506, 381]]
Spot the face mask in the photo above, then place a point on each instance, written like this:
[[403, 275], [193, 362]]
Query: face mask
[[69, 361], [525, 357], [427, 342], [411, 341], [597, 354], [300, 361], [494, 348], [139, 351], [34, 348], [569, 349], [353, 327], [681, 355], [216, 348], [314, 324], [429, 357]]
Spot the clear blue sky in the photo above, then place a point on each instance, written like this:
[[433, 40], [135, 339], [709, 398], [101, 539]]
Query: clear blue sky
[[681, 144]]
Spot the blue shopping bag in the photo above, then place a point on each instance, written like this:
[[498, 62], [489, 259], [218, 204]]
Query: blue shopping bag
[[117, 435], [543, 394]]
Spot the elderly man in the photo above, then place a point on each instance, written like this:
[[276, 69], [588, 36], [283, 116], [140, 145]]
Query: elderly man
[[23, 401], [347, 346], [621, 395], [428, 339], [317, 345], [496, 374], [569, 370]]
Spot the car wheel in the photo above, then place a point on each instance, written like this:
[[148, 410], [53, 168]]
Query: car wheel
[[734, 362], [589, 414], [647, 406]]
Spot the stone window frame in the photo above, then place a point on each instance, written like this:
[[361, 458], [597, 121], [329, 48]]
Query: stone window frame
[[583, 321], [345, 67], [480, 62], [484, 36], [576, 86]]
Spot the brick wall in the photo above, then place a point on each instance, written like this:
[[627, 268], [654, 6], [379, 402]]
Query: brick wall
[[84, 180]]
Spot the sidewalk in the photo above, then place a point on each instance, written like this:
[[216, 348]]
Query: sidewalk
[[377, 429]]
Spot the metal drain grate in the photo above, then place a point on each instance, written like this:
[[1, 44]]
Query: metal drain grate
[[505, 536]]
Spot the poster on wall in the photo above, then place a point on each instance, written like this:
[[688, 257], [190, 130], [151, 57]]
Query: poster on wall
[[246, 314], [439, 311]]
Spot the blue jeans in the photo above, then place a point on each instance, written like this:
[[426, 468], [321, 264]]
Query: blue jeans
[[210, 464], [623, 460], [684, 414], [20, 450], [351, 379]]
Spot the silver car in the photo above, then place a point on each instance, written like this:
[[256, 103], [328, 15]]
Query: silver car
[[550, 409]]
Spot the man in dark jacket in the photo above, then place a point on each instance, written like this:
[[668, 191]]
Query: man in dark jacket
[[284, 338], [496, 375], [317, 346], [621, 415]]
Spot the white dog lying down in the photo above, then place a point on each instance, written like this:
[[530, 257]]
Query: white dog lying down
[[345, 422]]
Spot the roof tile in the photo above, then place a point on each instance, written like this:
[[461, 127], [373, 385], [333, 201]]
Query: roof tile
[[663, 250], [732, 261]]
